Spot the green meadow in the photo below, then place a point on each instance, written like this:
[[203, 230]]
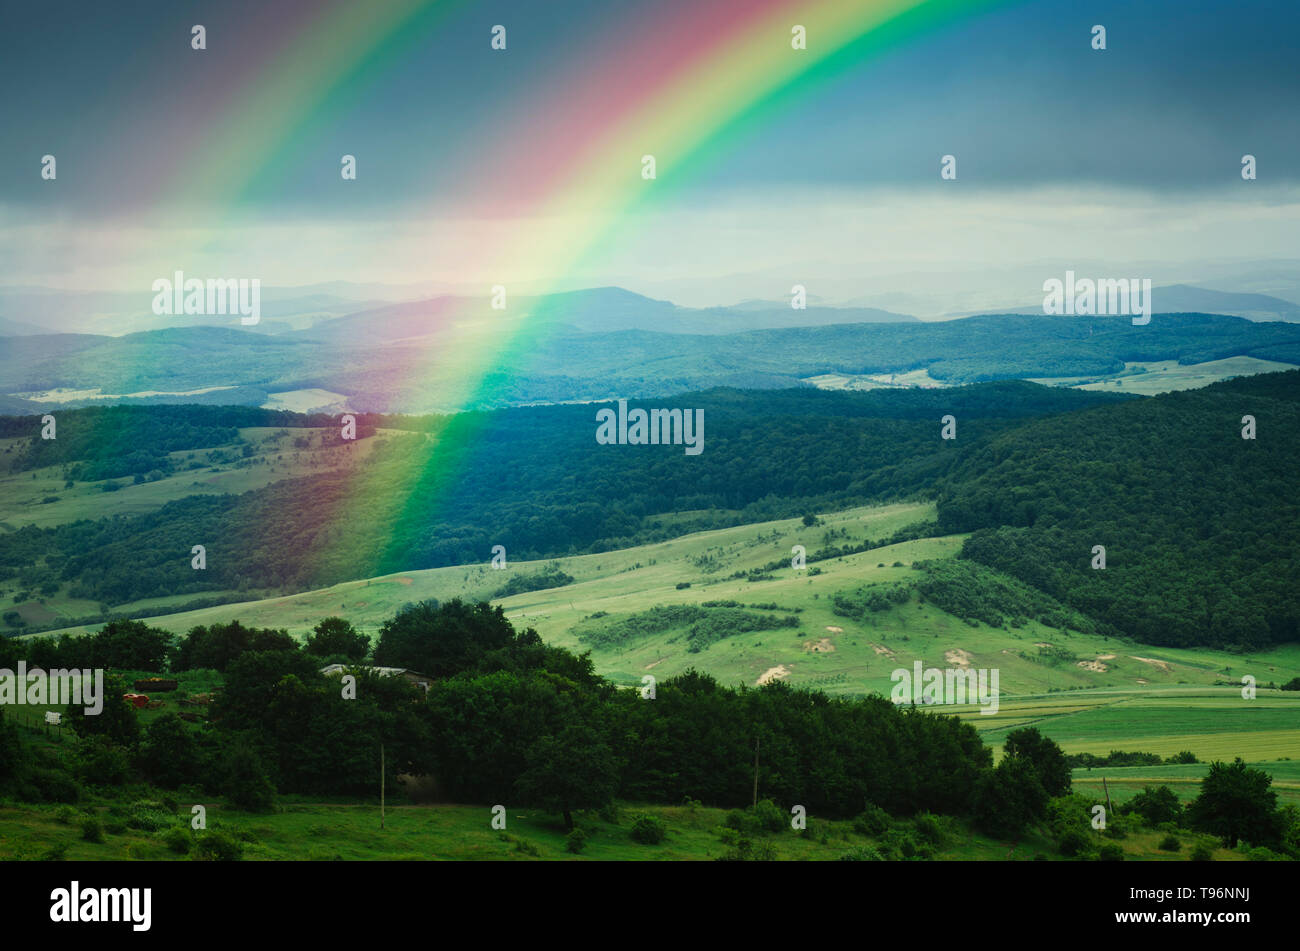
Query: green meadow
[[1088, 692], [316, 831]]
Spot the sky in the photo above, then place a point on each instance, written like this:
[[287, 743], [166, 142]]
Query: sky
[[478, 166]]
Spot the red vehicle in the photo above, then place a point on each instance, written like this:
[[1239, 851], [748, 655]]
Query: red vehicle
[[137, 700]]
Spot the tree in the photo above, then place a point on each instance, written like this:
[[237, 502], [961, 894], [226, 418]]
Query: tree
[[245, 780], [11, 752], [1009, 798], [442, 640], [574, 770], [116, 720], [216, 647], [1046, 758], [334, 636], [1156, 805], [1235, 803], [169, 754], [131, 645]]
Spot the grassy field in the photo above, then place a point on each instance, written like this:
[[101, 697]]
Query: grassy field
[[211, 471], [1103, 695], [1185, 780], [328, 831], [1164, 376]]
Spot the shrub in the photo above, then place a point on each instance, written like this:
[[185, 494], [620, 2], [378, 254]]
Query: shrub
[[65, 815], [91, 830], [609, 813], [114, 826], [648, 830], [1169, 843], [149, 816], [871, 821], [177, 839], [215, 846], [1073, 842], [759, 819], [747, 851], [768, 816], [862, 853], [1202, 853], [932, 829], [1110, 852], [575, 841], [906, 845]]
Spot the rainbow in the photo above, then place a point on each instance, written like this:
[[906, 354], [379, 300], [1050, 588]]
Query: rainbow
[[565, 159]]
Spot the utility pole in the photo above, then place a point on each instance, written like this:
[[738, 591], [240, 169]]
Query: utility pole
[[756, 742], [1106, 790]]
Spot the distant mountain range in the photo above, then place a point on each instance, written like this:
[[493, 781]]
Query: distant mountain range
[[599, 344], [1185, 298]]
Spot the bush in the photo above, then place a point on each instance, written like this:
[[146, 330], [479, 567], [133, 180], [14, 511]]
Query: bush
[[648, 830], [759, 819], [871, 821], [769, 817], [114, 826], [148, 815], [1202, 853], [1169, 843], [65, 815], [932, 829], [609, 813], [49, 785], [575, 841], [1110, 852], [91, 830], [215, 846], [862, 853], [906, 845], [177, 839], [747, 851], [1074, 842]]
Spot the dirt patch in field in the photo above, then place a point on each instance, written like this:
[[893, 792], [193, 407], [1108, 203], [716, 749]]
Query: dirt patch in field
[[1041, 644], [655, 664], [362, 604], [883, 651], [405, 580], [957, 657], [835, 630], [1105, 656], [1095, 666], [824, 646], [1141, 681], [1159, 665], [779, 672]]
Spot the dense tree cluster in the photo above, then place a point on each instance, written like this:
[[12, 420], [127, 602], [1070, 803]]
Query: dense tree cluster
[[1198, 524], [508, 478]]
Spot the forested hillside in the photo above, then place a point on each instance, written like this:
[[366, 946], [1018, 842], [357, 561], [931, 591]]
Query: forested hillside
[[1198, 524], [563, 363], [533, 480]]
